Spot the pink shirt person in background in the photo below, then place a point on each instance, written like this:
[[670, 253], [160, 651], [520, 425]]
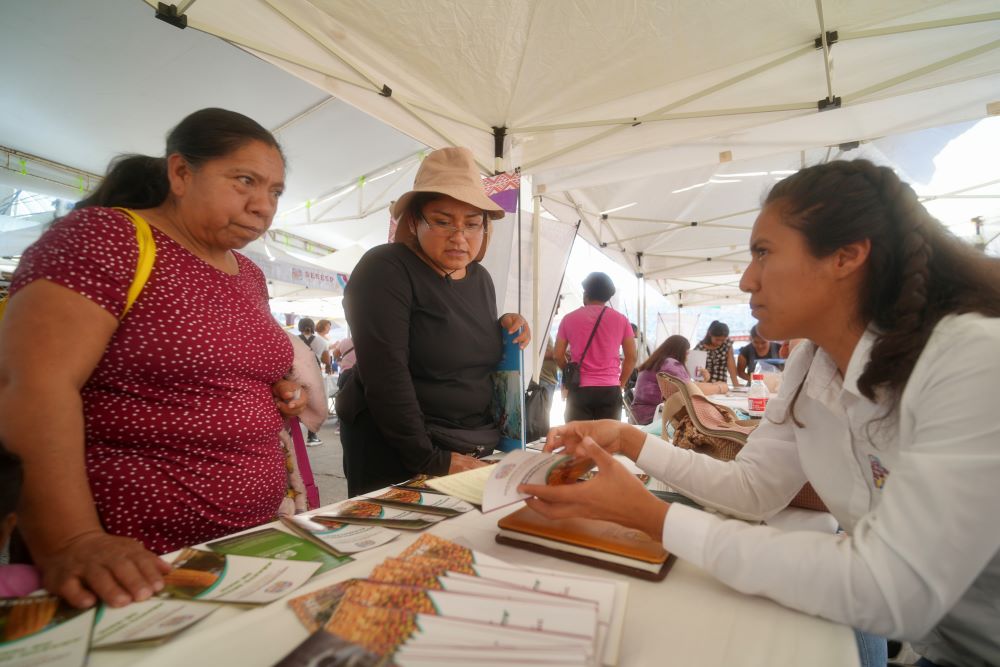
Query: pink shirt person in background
[[602, 373]]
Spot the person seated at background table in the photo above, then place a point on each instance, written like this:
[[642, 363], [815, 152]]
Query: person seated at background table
[[603, 374], [669, 357], [720, 353], [423, 320], [17, 579], [757, 349], [888, 410], [155, 430]]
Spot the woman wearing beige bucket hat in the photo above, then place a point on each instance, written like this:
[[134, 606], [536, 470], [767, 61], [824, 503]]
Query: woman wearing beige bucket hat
[[423, 318]]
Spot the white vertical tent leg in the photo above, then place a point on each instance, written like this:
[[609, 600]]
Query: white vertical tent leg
[[539, 338]]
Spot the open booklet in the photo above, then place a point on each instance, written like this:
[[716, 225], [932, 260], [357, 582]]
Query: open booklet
[[495, 486], [439, 603]]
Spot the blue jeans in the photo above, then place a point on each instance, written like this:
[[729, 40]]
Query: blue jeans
[[872, 649]]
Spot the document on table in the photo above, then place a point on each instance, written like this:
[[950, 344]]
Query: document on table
[[207, 575], [147, 622], [42, 630]]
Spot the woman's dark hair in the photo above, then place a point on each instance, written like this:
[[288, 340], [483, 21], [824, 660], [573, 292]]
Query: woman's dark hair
[[11, 477], [598, 287], [754, 334], [716, 328], [140, 181], [918, 271], [674, 347]]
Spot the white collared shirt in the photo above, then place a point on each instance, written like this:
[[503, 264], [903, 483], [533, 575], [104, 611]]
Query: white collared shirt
[[918, 494]]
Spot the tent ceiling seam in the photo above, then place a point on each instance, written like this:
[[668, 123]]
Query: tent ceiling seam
[[291, 121], [923, 25], [673, 105], [652, 115], [324, 44], [920, 71], [520, 65], [321, 41]]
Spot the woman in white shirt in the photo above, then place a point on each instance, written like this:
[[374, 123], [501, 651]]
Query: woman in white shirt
[[890, 413]]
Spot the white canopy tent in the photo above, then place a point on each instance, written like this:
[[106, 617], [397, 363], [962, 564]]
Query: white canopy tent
[[602, 104], [597, 100]]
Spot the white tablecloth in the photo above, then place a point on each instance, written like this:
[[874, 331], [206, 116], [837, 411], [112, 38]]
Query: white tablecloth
[[688, 619]]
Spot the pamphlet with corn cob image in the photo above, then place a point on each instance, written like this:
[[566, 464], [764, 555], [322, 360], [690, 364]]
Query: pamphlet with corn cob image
[[417, 483], [207, 575], [42, 630], [362, 512], [338, 537], [429, 503]]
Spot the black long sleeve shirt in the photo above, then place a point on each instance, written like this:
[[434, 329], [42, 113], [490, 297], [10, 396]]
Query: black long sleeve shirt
[[426, 346]]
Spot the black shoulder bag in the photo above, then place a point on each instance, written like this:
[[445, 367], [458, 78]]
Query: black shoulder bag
[[571, 373]]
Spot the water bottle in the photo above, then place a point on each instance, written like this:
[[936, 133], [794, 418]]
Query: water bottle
[[757, 396]]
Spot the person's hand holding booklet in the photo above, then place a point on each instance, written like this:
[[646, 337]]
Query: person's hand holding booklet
[[497, 486]]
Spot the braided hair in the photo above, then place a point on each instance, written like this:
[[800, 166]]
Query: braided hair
[[918, 271]]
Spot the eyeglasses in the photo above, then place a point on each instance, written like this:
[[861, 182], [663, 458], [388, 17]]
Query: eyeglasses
[[444, 229]]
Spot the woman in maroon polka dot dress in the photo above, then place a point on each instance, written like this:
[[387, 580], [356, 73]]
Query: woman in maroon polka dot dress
[[159, 430]]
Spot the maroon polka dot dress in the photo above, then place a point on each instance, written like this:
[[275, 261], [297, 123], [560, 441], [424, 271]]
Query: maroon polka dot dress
[[181, 429]]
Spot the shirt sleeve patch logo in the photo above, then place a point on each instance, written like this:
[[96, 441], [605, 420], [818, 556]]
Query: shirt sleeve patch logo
[[879, 473]]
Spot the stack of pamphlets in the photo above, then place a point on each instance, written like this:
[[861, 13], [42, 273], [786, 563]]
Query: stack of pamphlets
[[440, 603]]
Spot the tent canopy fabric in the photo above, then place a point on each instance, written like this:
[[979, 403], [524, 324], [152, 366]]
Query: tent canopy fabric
[[605, 103], [602, 103]]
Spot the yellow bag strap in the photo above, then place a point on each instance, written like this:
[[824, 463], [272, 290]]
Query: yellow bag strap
[[147, 256]]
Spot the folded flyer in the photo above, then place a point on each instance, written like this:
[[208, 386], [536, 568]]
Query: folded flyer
[[368, 513], [207, 575], [340, 537], [429, 503]]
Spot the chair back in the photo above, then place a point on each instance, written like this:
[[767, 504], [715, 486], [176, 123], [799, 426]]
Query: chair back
[[719, 433]]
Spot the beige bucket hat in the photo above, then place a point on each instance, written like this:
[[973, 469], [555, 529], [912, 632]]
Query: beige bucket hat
[[452, 172]]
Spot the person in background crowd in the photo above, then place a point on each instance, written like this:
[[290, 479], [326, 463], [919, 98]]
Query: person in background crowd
[[323, 331], [758, 348], [603, 374], [15, 580], [548, 375], [720, 353], [156, 429], [424, 323], [318, 345], [667, 358], [346, 357], [888, 410]]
